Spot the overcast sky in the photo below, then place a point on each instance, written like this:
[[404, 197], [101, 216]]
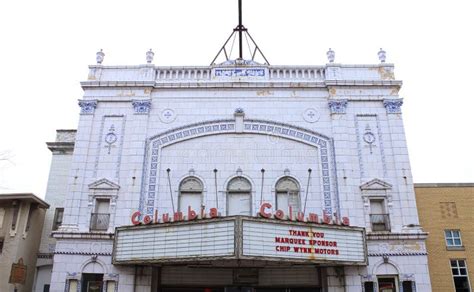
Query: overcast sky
[[47, 45]]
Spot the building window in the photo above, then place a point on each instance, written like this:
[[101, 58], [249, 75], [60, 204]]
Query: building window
[[1, 245], [100, 218], [190, 194], [453, 238], [379, 218], [288, 195], [111, 286], [72, 285], [239, 197], [58, 218], [408, 286], [369, 286], [461, 280]]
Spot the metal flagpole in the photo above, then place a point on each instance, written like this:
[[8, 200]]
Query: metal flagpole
[[171, 191], [215, 184], [307, 190]]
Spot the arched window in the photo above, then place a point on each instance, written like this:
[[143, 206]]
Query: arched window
[[239, 197], [190, 194], [288, 194]]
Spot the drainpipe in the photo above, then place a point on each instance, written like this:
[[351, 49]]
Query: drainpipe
[[135, 279]]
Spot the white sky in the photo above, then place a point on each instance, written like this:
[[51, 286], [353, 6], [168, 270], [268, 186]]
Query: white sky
[[46, 47]]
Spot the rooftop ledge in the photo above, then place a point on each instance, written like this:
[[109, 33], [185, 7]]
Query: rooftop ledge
[[329, 74]]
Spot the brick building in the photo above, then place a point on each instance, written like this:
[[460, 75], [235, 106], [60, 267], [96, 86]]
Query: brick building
[[446, 213]]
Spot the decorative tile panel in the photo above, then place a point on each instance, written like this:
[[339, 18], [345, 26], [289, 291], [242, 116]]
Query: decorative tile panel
[[109, 147], [87, 106], [239, 72], [322, 143], [393, 106], [141, 106], [338, 106]]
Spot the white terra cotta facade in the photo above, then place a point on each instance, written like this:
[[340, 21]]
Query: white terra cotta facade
[[145, 130]]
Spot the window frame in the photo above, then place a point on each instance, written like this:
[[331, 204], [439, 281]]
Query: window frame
[[230, 192], [459, 268], [288, 193], [97, 220], [385, 215], [453, 239], [198, 192], [55, 218]]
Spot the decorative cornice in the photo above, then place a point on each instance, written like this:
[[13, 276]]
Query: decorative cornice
[[393, 106], [83, 253], [396, 236], [141, 107], [376, 184], [61, 147], [45, 255], [338, 106], [104, 184], [398, 254], [87, 106], [83, 235]]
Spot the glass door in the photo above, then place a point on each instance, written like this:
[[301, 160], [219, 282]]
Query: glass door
[[388, 284]]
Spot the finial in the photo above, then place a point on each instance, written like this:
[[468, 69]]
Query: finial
[[331, 55], [99, 57], [239, 171], [382, 55], [149, 56], [239, 110]]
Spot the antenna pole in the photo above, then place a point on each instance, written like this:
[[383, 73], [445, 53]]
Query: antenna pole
[[240, 29]]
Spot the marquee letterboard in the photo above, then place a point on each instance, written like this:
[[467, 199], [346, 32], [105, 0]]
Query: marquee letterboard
[[244, 238]]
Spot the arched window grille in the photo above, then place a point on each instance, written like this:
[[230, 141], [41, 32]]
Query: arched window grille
[[239, 197], [190, 194], [288, 194]]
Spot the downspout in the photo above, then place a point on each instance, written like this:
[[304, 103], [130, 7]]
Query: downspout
[[135, 280]]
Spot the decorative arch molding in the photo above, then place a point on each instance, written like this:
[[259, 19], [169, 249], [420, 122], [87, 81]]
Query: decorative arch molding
[[379, 264], [94, 261], [324, 144]]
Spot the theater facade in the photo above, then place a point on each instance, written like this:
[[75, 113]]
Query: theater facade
[[240, 176]]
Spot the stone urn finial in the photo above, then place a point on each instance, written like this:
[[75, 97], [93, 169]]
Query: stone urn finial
[[99, 57], [149, 56], [331, 55], [382, 55]]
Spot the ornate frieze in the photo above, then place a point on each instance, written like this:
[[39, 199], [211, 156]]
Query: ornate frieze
[[141, 106], [87, 106], [338, 106], [393, 106], [240, 72]]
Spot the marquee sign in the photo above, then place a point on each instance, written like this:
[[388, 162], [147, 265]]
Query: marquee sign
[[242, 238], [301, 242]]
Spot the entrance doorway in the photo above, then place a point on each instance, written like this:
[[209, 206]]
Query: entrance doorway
[[92, 282], [387, 284], [240, 289]]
